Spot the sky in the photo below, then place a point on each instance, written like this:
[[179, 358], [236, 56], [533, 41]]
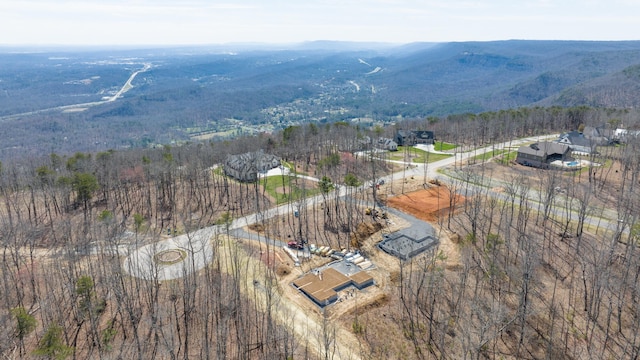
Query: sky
[[193, 22]]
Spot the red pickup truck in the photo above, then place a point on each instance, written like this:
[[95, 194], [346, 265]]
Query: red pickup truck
[[295, 245]]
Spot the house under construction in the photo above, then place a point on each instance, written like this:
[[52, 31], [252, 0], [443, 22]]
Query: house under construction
[[322, 286]]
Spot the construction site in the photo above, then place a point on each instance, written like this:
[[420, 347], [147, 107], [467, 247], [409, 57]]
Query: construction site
[[333, 282], [404, 235], [431, 204], [408, 243]]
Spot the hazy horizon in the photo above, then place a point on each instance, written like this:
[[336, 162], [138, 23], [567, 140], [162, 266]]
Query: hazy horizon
[[201, 22]]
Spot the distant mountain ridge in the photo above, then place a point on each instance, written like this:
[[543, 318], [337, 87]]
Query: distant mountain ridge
[[505, 74], [238, 88]]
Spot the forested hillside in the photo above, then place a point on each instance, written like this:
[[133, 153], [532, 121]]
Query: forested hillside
[[79, 100], [530, 263]]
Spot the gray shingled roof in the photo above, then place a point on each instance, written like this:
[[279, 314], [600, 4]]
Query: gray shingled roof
[[258, 160], [543, 149], [577, 138]]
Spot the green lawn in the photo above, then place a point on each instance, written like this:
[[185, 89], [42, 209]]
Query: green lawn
[[292, 168], [507, 158], [416, 155], [288, 165], [442, 146], [218, 171], [486, 156], [271, 183], [431, 157]]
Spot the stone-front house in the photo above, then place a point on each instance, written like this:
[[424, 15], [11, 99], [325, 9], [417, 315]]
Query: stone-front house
[[542, 154], [245, 167], [414, 137]]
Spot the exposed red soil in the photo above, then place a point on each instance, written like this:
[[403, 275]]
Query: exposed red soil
[[427, 204]]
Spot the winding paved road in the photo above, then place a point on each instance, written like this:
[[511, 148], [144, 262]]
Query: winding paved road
[[140, 262]]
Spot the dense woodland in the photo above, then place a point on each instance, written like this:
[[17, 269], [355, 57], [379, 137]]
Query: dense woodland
[[529, 276]]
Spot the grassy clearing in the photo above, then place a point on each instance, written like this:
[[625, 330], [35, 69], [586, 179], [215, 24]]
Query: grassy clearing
[[486, 156], [416, 155], [206, 135], [431, 157], [293, 169], [288, 165], [442, 146], [292, 185], [507, 158]]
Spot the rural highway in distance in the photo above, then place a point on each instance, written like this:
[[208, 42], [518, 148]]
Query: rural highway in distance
[[82, 106]]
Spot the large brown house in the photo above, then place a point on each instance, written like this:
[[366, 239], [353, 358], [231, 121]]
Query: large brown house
[[542, 154]]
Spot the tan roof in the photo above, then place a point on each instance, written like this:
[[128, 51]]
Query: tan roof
[[361, 277], [305, 280], [322, 288]]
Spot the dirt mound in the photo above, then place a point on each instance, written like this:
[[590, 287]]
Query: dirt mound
[[283, 270], [363, 231], [256, 227], [428, 204], [456, 238]]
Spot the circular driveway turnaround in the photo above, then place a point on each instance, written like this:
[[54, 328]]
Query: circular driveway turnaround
[[142, 262], [169, 257]]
